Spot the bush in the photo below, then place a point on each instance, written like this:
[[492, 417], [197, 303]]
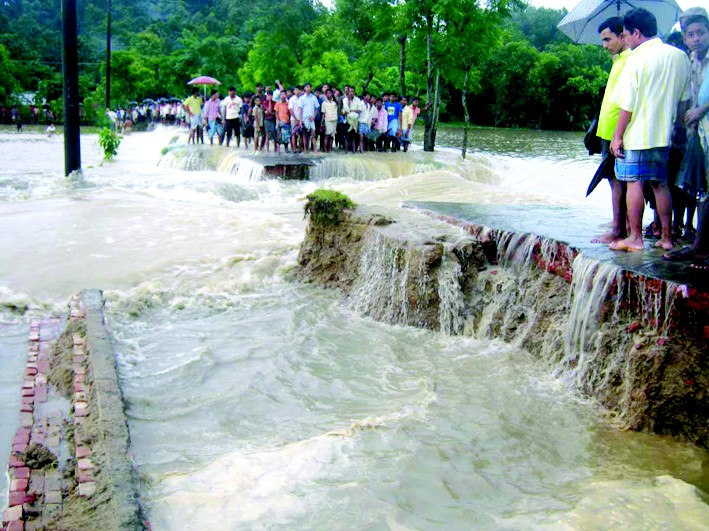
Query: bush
[[325, 206], [109, 141]]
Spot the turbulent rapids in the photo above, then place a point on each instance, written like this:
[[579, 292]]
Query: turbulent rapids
[[479, 395]]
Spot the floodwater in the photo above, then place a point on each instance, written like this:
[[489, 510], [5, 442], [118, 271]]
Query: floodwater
[[258, 402]]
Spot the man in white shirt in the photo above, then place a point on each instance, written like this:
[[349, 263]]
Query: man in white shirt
[[295, 115], [231, 108], [653, 95], [308, 105]]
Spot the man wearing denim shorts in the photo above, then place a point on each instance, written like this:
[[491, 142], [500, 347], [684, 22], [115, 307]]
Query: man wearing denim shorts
[[193, 108], [653, 95]]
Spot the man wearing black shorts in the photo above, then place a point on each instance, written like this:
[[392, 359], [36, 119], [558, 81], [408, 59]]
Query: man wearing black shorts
[[231, 108]]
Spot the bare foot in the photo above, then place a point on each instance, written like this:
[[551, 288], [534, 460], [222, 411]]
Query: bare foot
[[628, 245], [605, 238], [664, 244]]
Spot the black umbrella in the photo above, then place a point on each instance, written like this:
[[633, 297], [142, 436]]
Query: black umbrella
[[606, 169]]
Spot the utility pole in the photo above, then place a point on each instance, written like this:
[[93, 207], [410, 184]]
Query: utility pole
[[108, 54], [72, 149]]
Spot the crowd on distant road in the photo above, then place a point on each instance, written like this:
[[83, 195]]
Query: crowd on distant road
[[655, 109], [302, 119]]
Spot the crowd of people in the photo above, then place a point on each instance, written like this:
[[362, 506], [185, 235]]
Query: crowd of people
[[656, 97], [301, 119]]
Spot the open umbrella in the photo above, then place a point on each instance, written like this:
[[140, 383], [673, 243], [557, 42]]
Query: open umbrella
[[204, 80], [605, 170], [581, 23]]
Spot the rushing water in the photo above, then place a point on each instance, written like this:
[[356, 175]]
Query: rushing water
[[255, 401]]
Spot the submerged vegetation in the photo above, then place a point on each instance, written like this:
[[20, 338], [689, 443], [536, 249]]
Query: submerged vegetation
[[505, 63], [324, 207], [109, 142]]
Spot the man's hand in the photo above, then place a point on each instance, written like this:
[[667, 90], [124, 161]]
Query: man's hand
[[617, 147], [692, 116]]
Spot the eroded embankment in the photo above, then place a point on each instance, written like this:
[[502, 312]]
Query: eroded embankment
[[636, 344], [70, 457]]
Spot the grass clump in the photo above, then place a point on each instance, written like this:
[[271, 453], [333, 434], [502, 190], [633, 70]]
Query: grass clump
[[324, 207]]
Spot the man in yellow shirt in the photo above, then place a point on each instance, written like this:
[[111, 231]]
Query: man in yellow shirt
[[193, 108], [611, 32], [653, 95]]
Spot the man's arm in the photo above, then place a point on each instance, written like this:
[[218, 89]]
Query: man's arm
[[691, 116], [617, 142]]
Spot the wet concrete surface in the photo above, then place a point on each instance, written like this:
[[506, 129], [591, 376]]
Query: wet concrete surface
[[572, 226]]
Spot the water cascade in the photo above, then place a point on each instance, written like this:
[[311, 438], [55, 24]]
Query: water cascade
[[606, 332]]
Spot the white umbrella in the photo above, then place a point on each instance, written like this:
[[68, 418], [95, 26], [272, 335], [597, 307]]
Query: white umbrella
[[581, 23]]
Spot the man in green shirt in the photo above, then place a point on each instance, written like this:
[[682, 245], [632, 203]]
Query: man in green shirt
[[193, 108], [611, 32]]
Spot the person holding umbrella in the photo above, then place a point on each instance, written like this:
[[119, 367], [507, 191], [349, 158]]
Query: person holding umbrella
[[611, 32], [193, 108], [653, 95]]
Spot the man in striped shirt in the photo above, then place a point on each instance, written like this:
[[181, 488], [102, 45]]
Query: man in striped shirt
[[653, 95]]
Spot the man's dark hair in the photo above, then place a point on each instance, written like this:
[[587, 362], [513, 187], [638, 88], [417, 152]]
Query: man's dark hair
[[615, 24], [214, 91], [640, 19], [675, 39], [232, 88], [195, 90], [307, 85], [694, 19]]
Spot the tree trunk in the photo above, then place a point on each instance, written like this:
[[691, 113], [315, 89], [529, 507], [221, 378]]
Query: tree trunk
[[402, 64], [429, 126], [366, 83], [437, 108], [465, 111]]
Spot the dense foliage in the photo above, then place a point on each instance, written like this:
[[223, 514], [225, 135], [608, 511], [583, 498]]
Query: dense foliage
[[514, 66]]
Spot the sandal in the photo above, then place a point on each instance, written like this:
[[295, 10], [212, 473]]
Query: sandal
[[685, 254]]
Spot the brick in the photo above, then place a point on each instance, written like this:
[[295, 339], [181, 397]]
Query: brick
[[53, 496], [80, 396], [28, 399], [87, 489], [15, 498], [27, 408], [26, 420], [19, 448], [16, 525], [21, 437], [79, 387], [78, 378], [34, 337], [36, 482], [16, 461], [40, 379], [78, 369], [85, 464], [22, 472], [81, 409], [27, 392], [38, 438], [41, 393], [43, 366], [79, 360], [28, 384], [19, 485], [13, 513], [82, 451], [30, 371], [85, 477]]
